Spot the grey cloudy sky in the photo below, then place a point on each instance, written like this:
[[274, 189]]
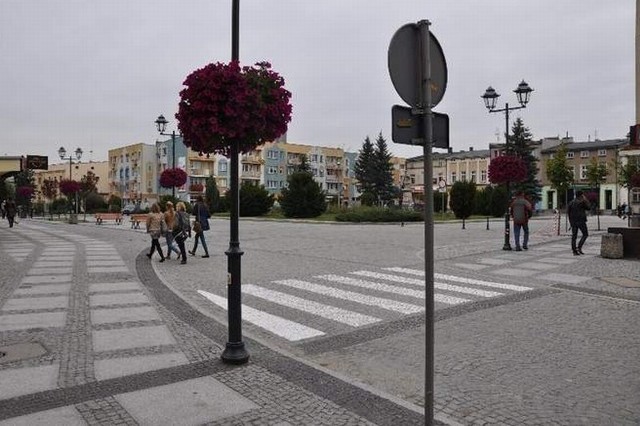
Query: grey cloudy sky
[[97, 74]]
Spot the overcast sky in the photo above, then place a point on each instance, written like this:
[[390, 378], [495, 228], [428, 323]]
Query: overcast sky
[[97, 74]]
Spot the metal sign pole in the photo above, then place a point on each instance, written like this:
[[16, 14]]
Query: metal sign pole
[[427, 119]]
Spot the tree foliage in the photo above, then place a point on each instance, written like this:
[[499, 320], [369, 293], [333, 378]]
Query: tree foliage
[[212, 195], [364, 169], [559, 173], [373, 170], [303, 196], [255, 200], [596, 172], [629, 173], [50, 188], [521, 139], [462, 199]]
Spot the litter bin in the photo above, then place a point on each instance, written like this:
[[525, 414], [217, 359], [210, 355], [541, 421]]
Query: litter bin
[[73, 218]]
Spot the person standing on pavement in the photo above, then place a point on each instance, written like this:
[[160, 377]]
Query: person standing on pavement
[[10, 211], [577, 214], [200, 224], [521, 210], [155, 225], [170, 221], [181, 225]]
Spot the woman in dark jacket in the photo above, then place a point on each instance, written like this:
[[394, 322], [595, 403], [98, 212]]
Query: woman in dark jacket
[[181, 225], [200, 224]]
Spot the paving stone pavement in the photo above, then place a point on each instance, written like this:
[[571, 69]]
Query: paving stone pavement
[[129, 348], [121, 348]]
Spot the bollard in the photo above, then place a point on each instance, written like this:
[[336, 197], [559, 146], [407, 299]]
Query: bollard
[[487, 223]]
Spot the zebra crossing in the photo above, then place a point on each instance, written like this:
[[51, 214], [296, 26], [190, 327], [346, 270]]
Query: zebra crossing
[[381, 295]]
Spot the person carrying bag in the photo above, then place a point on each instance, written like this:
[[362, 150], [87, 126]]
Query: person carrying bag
[[181, 230], [200, 224]]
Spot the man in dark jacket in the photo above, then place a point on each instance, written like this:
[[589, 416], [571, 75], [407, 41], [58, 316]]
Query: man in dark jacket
[[577, 213], [10, 211], [520, 211]]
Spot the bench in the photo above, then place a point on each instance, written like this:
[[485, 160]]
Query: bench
[[630, 240], [136, 219], [101, 217]]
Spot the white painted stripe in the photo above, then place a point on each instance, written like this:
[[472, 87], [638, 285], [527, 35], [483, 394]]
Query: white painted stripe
[[290, 330], [373, 285], [449, 300], [466, 290], [389, 277], [461, 279], [330, 312], [392, 305], [438, 285], [483, 283]]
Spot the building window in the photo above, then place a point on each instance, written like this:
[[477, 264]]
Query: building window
[[583, 171], [584, 154], [550, 156], [635, 196], [569, 154], [273, 154], [453, 178], [483, 176], [602, 153], [463, 176], [272, 170], [222, 167], [272, 184], [473, 176], [313, 158]]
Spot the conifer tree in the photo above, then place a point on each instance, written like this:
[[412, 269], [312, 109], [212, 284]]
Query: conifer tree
[[383, 177], [303, 196], [520, 142], [364, 169]]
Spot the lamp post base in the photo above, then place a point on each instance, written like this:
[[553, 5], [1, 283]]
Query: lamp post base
[[507, 233], [235, 353]]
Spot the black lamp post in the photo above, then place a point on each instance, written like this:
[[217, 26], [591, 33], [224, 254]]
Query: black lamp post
[[234, 351], [490, 98], [63, 156], [161, 123]]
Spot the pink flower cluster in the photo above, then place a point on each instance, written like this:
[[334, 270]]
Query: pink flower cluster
[[69, 187], [223, 104], [507, 168], [173, 177], [24, 192]]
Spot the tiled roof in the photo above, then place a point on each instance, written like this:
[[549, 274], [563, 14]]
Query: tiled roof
[[587, 146]]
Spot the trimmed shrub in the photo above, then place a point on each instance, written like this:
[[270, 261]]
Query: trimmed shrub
[[379, 214]]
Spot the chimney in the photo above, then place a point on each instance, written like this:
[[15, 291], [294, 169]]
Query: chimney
[[450, 150], [470, 148]]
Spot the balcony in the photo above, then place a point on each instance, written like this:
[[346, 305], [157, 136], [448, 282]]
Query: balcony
[[252, 159], [333, 179]]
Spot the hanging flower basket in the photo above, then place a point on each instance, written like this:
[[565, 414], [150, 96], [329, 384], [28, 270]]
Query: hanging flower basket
[[507, 168], [69, 187], [24, 192], [196, 187], [172, 178], [224, 103]]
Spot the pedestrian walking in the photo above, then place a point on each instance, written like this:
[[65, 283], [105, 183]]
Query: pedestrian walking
[[181, 230], [2, 208], [155, 227], [521, 211], [200, 224], [10, 211], [577, 214], [170, 221]]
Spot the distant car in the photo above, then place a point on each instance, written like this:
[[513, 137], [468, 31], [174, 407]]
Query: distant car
[[128, 208]]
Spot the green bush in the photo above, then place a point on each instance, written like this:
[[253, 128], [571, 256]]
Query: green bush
[[379, 214], [303, 196], [59, 206], [114, 203], [255, 200], [93, 202]]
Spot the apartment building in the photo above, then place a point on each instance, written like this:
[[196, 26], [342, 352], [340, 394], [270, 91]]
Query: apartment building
[[579, 157], [77, 171], [133, 172]]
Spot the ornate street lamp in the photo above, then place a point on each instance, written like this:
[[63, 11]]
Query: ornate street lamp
[[490, 97], [161, 124], [78, 154]]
